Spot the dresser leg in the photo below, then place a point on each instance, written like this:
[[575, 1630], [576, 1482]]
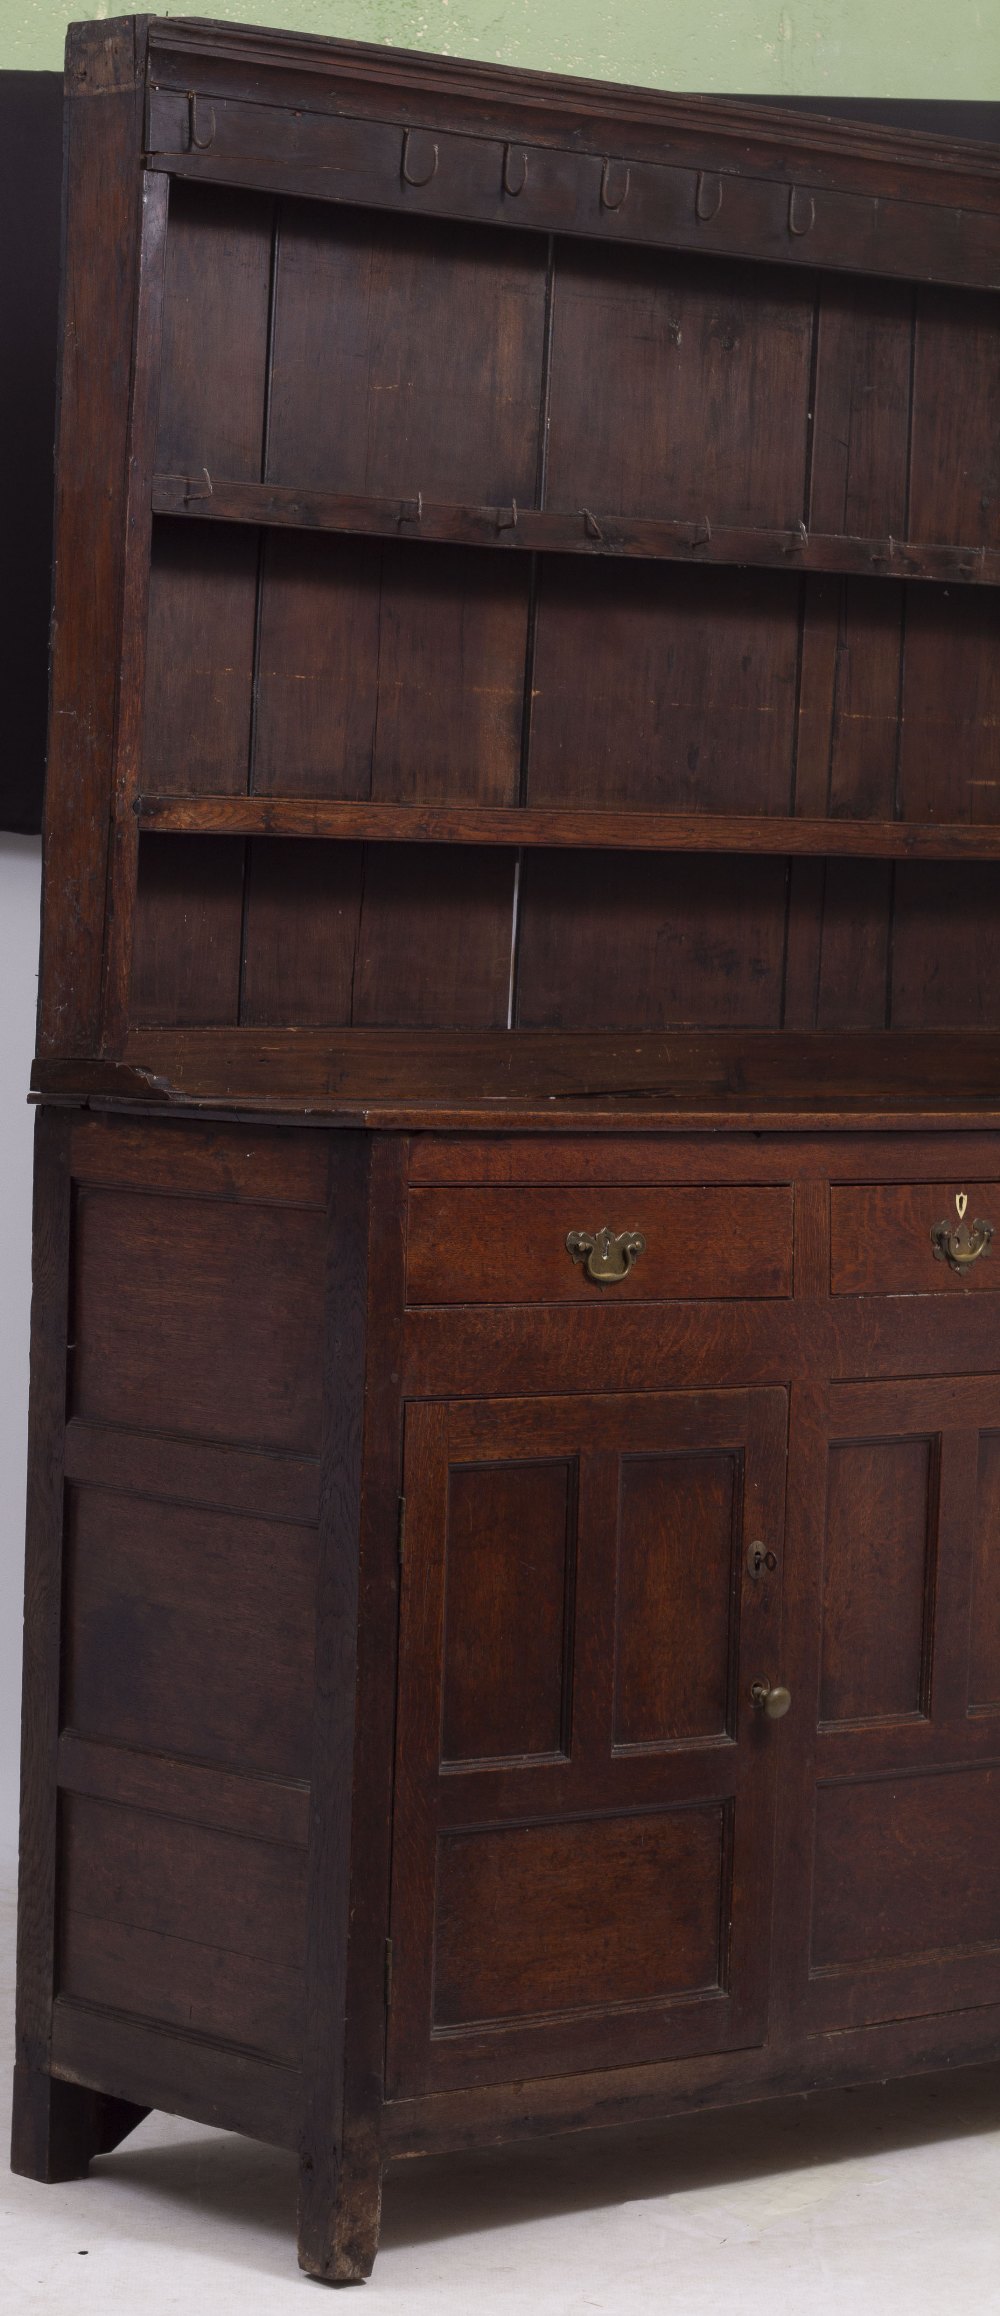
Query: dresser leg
[[339, 2212], [58, 2127]]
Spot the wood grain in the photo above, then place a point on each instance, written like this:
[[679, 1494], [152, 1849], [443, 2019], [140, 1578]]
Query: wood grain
[[102, 223], [520, 620], [601, 829], [704, 537]]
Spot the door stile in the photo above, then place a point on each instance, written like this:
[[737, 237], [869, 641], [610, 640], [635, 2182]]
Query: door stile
[[809, 1428], [760, 1744]]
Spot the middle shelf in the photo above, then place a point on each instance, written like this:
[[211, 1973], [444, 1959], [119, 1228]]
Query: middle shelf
[[574, 531], [624, 830]]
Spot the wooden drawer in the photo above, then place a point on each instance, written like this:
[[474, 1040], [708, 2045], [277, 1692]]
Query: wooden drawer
[[880, 1238], [509, 1246]]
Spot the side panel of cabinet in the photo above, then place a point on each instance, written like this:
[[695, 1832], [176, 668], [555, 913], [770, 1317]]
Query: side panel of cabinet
[[192, 1564], [584, 1791]]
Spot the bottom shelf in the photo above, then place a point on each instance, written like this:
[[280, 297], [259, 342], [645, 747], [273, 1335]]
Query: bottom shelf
[[550, 1079]]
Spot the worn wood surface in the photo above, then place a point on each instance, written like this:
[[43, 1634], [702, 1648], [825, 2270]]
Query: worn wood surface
[[280, 683], [337, 2230], [684, 539], [500, 787], [705, 172], [100, 265], [170, 1718], [603, 829]]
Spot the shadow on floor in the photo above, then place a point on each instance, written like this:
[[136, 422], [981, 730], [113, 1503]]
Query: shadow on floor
[[497, 2188]]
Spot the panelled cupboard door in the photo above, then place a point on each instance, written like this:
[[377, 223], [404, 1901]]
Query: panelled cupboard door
[[584, 1787], [903, 1901]]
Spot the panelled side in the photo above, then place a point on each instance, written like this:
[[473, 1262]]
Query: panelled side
[[190, 1553]]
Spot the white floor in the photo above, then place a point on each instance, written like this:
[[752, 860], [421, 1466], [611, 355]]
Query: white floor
[[873, 2203]]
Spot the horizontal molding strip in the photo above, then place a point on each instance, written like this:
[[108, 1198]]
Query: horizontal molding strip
[[600, 829], [414, 165], [182, 2074], [255, 1807], [241, 1482], [582, 531]]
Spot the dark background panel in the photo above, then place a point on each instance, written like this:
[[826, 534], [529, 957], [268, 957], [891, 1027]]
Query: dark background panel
[[30, 180]]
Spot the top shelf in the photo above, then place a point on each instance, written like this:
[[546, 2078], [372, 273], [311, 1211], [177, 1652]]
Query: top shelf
[[584, 531]]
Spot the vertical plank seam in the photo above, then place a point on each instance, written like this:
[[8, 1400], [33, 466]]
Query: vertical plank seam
[[534, 591], [258, 609]]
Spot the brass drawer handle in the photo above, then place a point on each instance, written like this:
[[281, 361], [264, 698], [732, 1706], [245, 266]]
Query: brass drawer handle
[[961, 1246], [774, 1702], [606, 1255]]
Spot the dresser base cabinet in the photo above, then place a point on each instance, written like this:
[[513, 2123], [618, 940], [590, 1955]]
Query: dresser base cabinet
[[399, 1773]]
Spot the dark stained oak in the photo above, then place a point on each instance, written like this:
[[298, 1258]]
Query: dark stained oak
[[300, 816], [102, 226], [522, 763], [201, 1312], [500, 1957], [153, 1586], [511, 1538], [678, 1591], [692, 540], [639, 166], [526, 1079], [880, 1238], [382, 322], [199, 661], [509, 1246], [214, 355], [879, 1546], [888, 1857]]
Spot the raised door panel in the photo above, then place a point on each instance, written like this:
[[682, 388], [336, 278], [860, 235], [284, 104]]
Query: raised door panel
[[900, 1780], [584, 1788], [635, 1915], [878, 1550], [674, 1622], [510, 1541]]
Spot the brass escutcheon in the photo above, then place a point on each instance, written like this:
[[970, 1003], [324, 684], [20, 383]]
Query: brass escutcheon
[[606, 1255], [759, 1558], [959, 1246]]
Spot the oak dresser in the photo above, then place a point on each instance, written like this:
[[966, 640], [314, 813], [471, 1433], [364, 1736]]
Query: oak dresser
[[513, 1584]]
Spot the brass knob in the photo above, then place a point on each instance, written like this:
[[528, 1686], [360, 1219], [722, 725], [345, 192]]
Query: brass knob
[[774, 1702]]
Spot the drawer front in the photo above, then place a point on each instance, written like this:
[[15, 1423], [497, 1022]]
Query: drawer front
[[509, 1246], [881, 1238]]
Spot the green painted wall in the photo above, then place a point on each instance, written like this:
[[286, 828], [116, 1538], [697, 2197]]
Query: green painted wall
[[874, 48]]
